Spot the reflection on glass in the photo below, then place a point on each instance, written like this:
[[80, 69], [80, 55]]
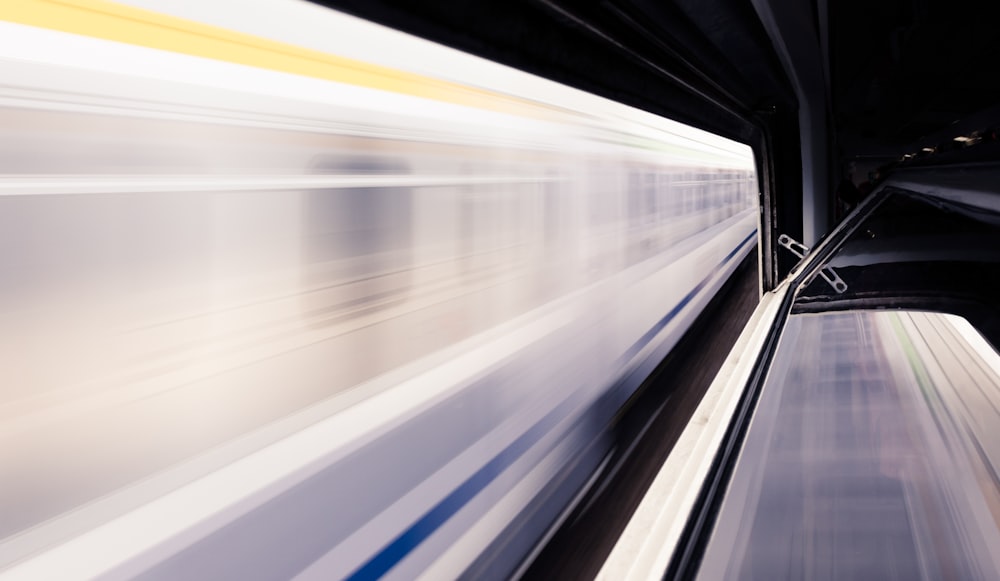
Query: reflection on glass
[[873, 455]]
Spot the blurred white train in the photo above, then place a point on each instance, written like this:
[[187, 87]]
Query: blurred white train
[[322, 302]]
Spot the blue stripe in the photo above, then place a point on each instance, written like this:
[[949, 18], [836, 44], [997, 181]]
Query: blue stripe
[[402, 545], [648, 336]]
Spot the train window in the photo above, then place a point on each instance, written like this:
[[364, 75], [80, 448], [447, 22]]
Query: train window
[[314, 267], [360, 234], [371, 221], [603, 187]]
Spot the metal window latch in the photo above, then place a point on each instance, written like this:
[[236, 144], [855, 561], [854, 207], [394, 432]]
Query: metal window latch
[[828, 273]]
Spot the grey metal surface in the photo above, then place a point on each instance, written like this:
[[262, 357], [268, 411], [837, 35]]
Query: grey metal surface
[[872, 455]]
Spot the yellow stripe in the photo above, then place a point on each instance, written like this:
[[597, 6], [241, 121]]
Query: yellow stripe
[[111, 21]]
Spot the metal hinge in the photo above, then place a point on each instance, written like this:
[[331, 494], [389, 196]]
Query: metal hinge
[[828, 273]]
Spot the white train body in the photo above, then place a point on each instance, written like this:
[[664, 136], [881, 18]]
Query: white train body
[[259, 324]]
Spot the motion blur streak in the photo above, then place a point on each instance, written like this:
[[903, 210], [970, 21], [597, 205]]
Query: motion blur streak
[[873, 454], [140, 27], [265, 307]]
